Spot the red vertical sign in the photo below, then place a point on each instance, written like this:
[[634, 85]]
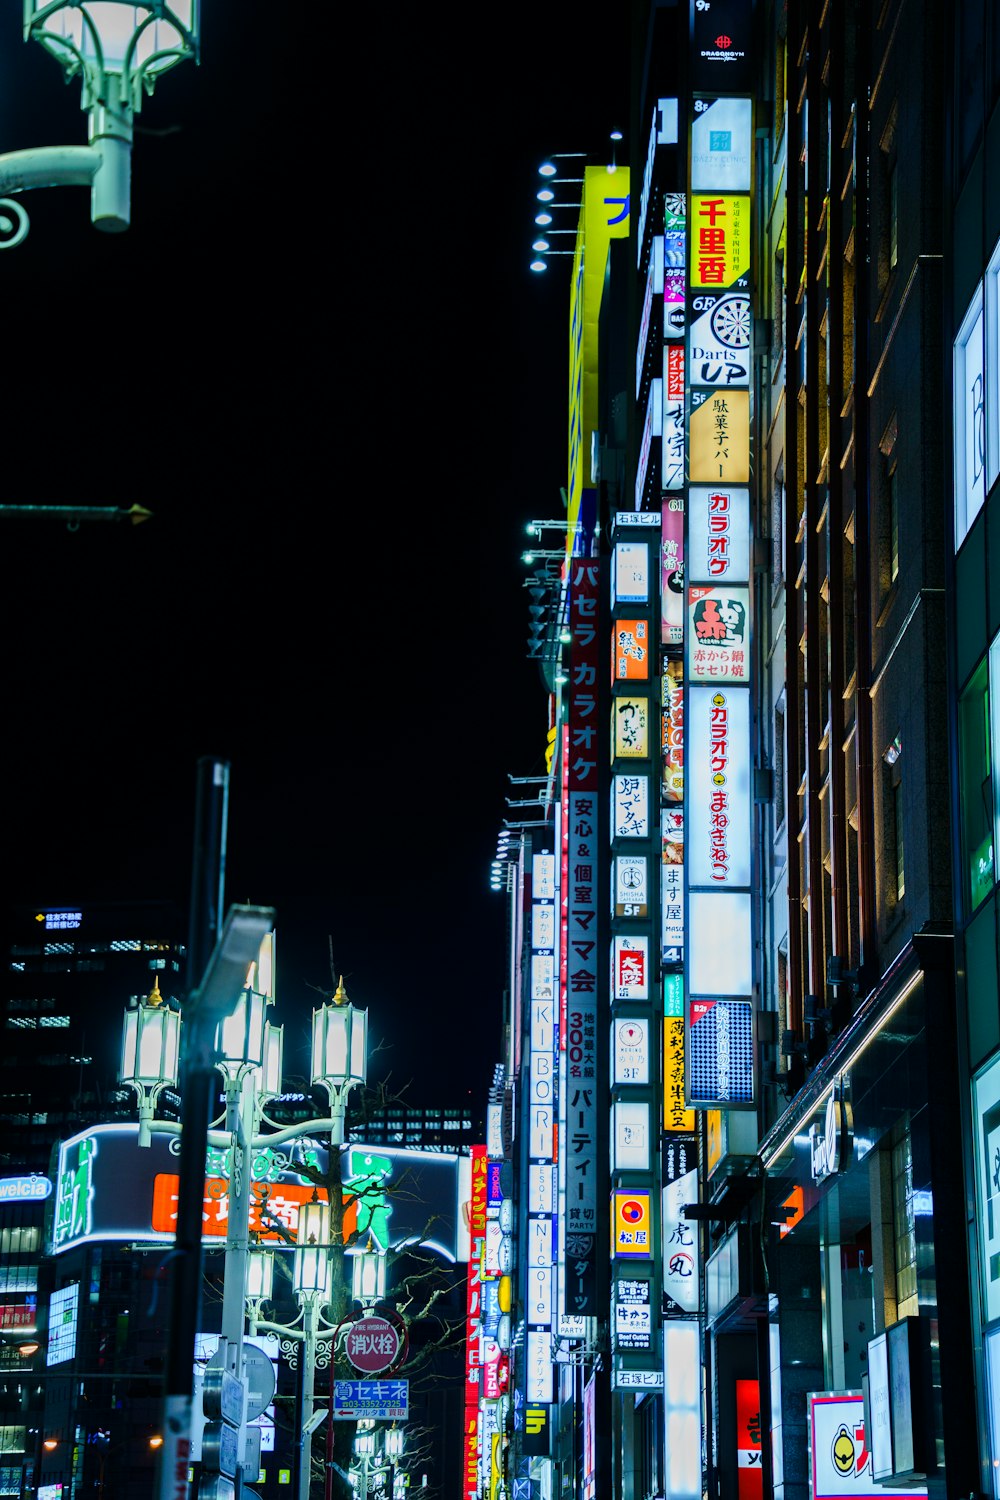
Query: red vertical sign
[[749, 1454], [473, 1315]]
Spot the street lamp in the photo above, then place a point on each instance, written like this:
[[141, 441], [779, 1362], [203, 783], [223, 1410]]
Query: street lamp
[[368, 1274], [339, 1053], [118, 50], [150, 1052]]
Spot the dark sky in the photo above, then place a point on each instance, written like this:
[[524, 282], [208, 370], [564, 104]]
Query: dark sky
[[319, 358]]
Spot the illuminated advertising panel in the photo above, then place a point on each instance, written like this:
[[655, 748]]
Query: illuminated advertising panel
[[109, 1188], [631, 1228], [674, 265], [672, 571], [630, 807], [969, 418], [630, 957], [719, 342], [543, 877], [672, 736], [543, 925], [63, 1309], [631, 716], [720, 1050], [719, 634], [630, 1049], [719, 439], [538, 1366], [672, 420], [681, 1263], [720, 240], [633, 1321], [543, 976], [631, 573], [721, 143], [840, 1458], [630, 1139], [672, 910], [720, 56], [630, 650], [719, 534], [477, 1235], [749, 1457], [631, 885], [578, 1226], [719, 800], [677, 1117], [720, 943]]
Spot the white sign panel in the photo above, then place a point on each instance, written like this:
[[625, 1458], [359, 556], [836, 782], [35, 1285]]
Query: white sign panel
[[543, 877], [543, 976], [630, 807], [721, 139], [631, 572], [719, 633], [717, 833], [630, 1136], [718, 534], [543, 925], [719, 341], [840, 1461], [631, 885], [681, 1275], [630, 968], [541, 1189], [721, 947], [630, 1049], [970, 419], [538, 1365]]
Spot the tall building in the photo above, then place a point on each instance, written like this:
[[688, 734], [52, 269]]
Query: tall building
[[748, 1103], [69, 972]]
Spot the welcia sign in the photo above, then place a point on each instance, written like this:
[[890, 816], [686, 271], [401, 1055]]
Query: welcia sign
[[24, 1189]]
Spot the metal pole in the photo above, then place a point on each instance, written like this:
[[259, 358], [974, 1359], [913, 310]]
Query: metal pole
[[198, 1083], [310, 1321]]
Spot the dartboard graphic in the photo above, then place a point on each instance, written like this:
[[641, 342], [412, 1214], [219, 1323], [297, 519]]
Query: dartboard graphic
[[730, 321]]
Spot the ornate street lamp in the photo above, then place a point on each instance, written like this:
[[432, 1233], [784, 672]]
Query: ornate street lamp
[[339, 1053], [117, 50], [150, 1049], [311, 1272], [368, 1274]]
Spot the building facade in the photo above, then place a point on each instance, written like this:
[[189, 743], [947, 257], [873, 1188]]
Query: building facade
[[771, 1069]]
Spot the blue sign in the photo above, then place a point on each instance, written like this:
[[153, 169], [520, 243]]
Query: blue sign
[[24, 1189], [384, 1400]]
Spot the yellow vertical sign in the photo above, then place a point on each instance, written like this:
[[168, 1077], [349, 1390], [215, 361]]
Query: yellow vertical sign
[[676, 1116], [719, 437]]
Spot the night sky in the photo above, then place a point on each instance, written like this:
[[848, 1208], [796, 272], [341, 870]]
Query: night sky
[[319, 358]]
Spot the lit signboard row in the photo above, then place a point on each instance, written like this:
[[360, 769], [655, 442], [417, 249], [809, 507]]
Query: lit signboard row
[[716, 779]]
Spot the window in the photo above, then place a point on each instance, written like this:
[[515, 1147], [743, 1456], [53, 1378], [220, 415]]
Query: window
[[893, 496], [897, 820], [893, 215], [976, 785]]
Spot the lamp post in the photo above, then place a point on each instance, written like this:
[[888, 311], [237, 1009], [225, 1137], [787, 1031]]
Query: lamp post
[[247, 1050], [117, 49], [150, 1053]]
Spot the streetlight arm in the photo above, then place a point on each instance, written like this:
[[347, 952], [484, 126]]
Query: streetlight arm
[[48, 166], [307, 1127], [221, 1138]]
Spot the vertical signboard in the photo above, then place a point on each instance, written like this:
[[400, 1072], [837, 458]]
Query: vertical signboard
[[473, 1317], [719, 1042], [584, 858]]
